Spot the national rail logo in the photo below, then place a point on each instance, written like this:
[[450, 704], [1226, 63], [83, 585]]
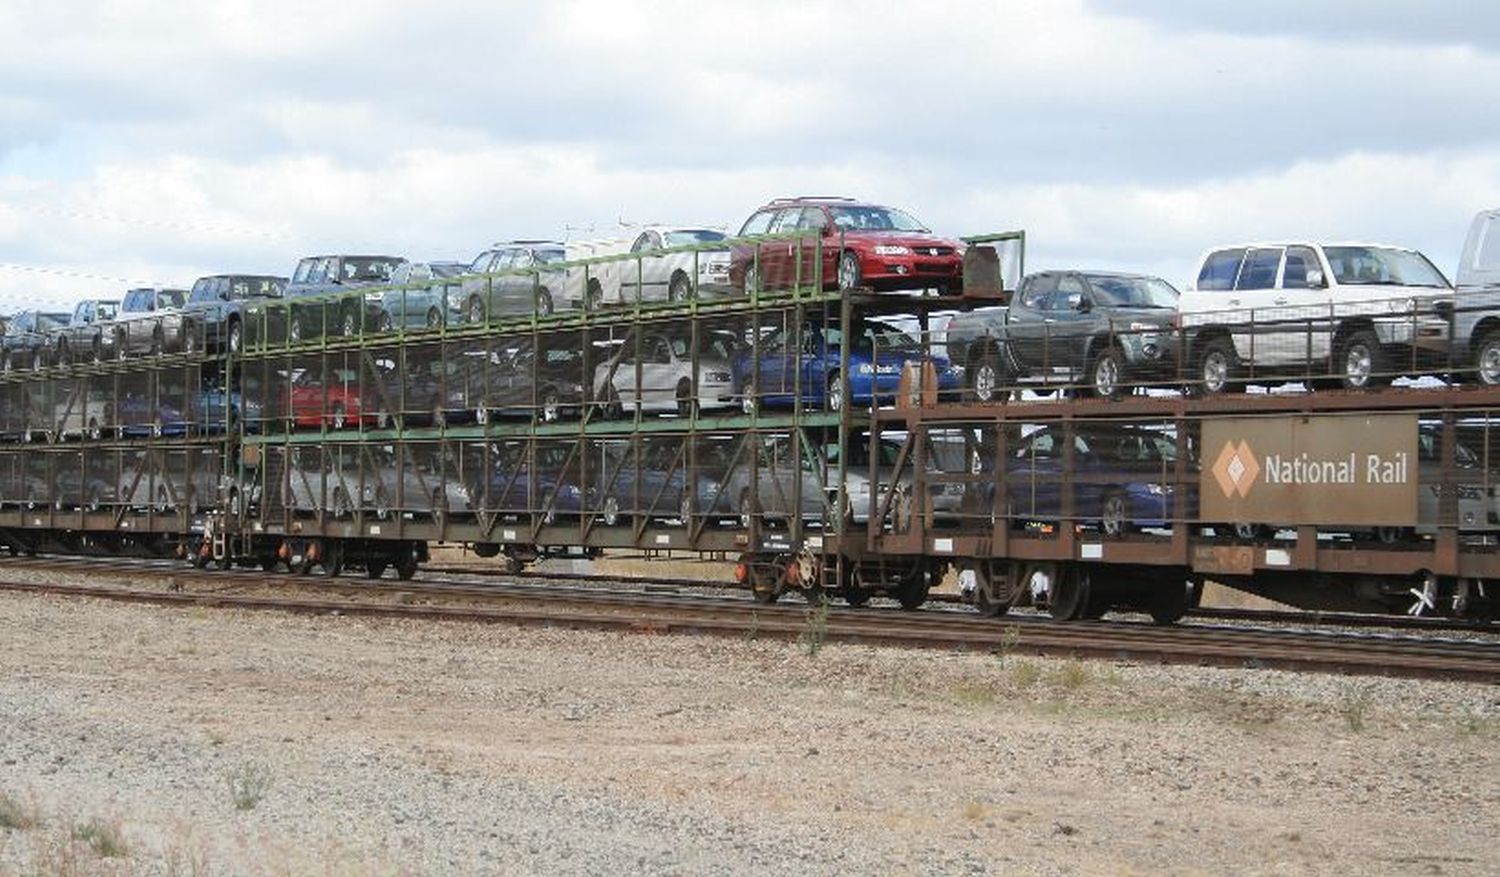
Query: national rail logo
[[1236, 469]]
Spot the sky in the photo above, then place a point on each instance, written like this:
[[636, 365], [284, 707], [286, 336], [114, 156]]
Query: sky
[[151, 143]]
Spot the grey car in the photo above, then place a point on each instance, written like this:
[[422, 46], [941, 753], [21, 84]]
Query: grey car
[[149, 321], [512, 279], [421, 295]]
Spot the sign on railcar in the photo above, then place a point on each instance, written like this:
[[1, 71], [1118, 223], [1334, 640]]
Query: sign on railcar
[[1323, 469]]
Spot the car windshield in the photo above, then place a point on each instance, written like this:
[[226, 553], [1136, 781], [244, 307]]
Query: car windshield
[[1132, 292], [106, 310], [875, 335], [688, 237], [359, 269], [551, 257], [171, 298], [869, 218], [1382, 266], [48, 322]]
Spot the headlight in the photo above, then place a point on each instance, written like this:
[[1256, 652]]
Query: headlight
[[717, 377], [892, 250], [1408, 305], [1158, 489], [374, 298], [865, 368]]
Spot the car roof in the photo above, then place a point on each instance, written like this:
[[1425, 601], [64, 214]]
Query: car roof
[[1309, 243]]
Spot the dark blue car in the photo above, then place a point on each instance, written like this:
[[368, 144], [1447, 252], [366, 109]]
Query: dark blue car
[[654, 484], [878, 354], [505, 485]]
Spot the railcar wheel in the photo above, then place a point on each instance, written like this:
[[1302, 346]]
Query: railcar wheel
[[375, 569], [912, 590], [1070, 594], [1170, 603], [856, 596], [406, 565]]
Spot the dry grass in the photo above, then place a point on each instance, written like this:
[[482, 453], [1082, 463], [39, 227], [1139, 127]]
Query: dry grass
[[103, 836], [18, 816]]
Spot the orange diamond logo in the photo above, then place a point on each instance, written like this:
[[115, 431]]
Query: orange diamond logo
[[1236, 469]]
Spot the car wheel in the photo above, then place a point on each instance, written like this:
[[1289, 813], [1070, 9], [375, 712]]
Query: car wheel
[[747, 508], [1105, 373], [1216, 368], [482, 415], [382, 504], [835, 395], [341, 507], [752, 279], [1362, 362], [434, 318], [234, 336], [475, 310], [595, 296], [189, 340], [1114, 514], [611, 511], [543, 302], [614, 409], [986, 377], [350, 325], [849, 270], [336, 417], [62, 352], [386, 324], [158, 345], [680, 289], [1487, 359], [294, 331], [439, 505], [748, 400], [93, 430], [551, 407], [685, 509], [163, 498]]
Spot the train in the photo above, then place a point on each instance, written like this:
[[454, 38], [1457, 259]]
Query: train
[[822, 439]]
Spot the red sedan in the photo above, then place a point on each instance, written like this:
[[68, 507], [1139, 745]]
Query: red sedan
[[862, 246], [335, 402]]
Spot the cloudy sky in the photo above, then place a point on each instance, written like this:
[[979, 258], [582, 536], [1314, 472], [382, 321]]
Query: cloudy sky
[[148, 142]]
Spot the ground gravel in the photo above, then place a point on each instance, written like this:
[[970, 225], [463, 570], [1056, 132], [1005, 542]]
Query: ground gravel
[[228, 742]]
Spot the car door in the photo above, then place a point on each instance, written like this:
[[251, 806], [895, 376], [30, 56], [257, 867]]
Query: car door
[[1262, 338], [659, 373], [1309, 308], [777, 257], [1026, 327], [1072, 321], [641, 276]]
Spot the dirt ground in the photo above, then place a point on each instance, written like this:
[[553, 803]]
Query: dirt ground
[[144, 740]]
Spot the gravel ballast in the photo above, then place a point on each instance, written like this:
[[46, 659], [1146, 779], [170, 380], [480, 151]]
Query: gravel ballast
[[217, 741]]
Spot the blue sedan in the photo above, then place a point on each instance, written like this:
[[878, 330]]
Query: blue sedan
[[879, 353]]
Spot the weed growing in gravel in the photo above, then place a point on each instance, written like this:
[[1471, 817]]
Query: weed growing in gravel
[[973, 694], [753, 631], [816, 629], [248, 784], [1471, 724], [1025, 674], [15, 815], [1008, 639], [1072, 676], [104, 838], [1354, 705]]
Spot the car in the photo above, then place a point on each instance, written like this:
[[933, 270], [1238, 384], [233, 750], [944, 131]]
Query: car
[[649, 480], [422, 295], [668, 379], [508, 483], [216, 307], [781, 367], [372, 480], [336, 401], [668, 264], [1103, 331], [84, 335], [1348, 314], [149, 321], [512, 278], [137, 415], [27, 339], [321, 278], [526, 379], [1476, 311], [862, 245]]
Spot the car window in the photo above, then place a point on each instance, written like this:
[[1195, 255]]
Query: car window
[[1134, 292], [641, 244], [1043, 444], [758, 223], [304, 270], [872, 218], [786, 220], [521, 260], [170, 298], [1384, 266], [1070, 293], [482, 262], [812, 219], [660, 351], [203, 289], [1259, 269], [1036, 292], [691, 237], [1487, 254], [1220, 269], [106, 310], [1299, 261]]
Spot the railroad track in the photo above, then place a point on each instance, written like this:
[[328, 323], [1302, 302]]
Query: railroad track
[[547, 605]]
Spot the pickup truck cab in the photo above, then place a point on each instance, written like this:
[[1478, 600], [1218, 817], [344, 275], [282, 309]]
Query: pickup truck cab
[[1349, 314], [84, 337], [1100, 330], [319, 278], [149, 321], [27, 338], [1476, 313], [216, 307]]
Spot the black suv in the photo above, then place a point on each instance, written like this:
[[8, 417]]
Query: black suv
[[345, 315]]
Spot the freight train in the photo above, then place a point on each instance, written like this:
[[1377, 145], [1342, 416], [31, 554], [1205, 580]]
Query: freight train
[[838, 442]]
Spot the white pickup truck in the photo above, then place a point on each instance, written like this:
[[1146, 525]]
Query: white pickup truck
[[1351, 315], [1476, 317]]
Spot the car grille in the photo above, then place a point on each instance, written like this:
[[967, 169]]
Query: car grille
[[932, 251]]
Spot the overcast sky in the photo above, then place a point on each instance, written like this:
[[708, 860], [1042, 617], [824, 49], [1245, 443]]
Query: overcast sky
[[149, 142]]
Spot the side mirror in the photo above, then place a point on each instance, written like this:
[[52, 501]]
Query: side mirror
[[1315, 279], [1083, 305]]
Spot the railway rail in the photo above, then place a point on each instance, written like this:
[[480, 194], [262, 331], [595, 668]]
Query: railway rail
[[665, 613]]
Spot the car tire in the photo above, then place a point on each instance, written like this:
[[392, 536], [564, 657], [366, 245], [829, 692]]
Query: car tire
[[474, 311], [752, 279], [687, 400], [1217, 367], [610, 511], [434, 318], [387, 325], [1114, 513], [295, 331], [834, 395], [337, 419], [543, 302], [550, 409], [158, 343], [748, 401], [235, 337], [850, 273], [62, 351], [987, 376], [680, 288], [1487, 359], [349, 324], [1362, 363], [595, 296], [1106, 372]]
